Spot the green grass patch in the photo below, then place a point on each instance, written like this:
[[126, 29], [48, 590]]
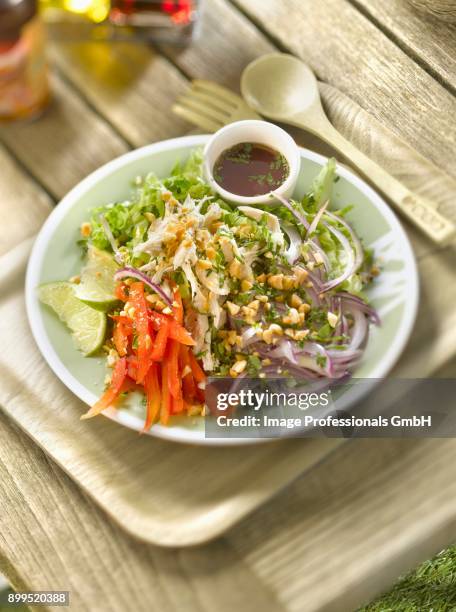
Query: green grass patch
[[429, 588]]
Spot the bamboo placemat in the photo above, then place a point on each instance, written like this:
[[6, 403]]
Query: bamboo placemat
[[180, 495]]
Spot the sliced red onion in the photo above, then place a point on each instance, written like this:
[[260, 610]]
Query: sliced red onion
[[297, 214], [284, 351], [110, 237], [314, 296], [294, 249], [356, 301], [297, 371], [316, 248], [249, 336], [315, 281], [316, 219], [359, 330], [359, 253], [130, 272], [351, 265]]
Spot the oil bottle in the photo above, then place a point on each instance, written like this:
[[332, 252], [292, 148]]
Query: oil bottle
[[24, 90]]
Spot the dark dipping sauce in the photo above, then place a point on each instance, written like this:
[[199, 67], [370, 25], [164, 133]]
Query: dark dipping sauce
[[250, 169]]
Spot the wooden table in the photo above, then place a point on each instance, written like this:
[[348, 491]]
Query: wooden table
[[328, 549]]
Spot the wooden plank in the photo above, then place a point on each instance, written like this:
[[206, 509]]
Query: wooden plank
[[61, 540], [68, 142], [226, 44], [128, 84], [21, 201], [346, 50], [430, 41], [351, 526]]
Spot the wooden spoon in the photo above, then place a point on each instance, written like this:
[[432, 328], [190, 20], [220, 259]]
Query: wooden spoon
[[283, 88]]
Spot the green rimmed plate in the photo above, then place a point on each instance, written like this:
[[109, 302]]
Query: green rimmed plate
[[56, 256]]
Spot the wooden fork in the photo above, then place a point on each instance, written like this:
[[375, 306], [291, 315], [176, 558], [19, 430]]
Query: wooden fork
[[211, 106]]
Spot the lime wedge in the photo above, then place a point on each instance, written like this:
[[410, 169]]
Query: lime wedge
[[87, 325], [97, 280]]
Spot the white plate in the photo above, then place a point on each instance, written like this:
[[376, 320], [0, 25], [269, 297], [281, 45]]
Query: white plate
[[55, 256]]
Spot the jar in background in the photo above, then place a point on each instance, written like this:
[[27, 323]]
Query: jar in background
[[24, 89], [169, 21]]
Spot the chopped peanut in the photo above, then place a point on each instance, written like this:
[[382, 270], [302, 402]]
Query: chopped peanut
[[235, 269], [112, 358], [262, 298], [211, 253], [246, 285], [276, 329], [233, 308], [375, 271], [276, 281], [238, 367], [204, 264], [332, 319], [318, 258], [288, 282], [300, 274], [295, 301], [267, 336], [231, 337], [272, 330], [254, 304], [261, 278], [292, 318], [86, 229], [301, 334]]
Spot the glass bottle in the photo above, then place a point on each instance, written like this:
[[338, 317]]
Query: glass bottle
[[24, 90], [163, 20]]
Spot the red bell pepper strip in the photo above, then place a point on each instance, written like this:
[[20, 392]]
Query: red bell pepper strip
[[165, 407], [160, 342], [141, 320], [120, 292], [153, 396], [179, 333], [188, 383], [132, 367], [177, 405], [111, 394], [174, 383], [178, 309], [121, 336], [127, 385], [124, 320], [176, 331], [197, 370]]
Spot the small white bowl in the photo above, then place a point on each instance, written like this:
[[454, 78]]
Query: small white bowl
[[256, 132]]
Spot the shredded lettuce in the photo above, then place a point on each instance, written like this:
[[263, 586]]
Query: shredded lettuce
[[323, 183]]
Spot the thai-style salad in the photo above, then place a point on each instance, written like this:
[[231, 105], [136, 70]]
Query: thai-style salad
[[178, 285]]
